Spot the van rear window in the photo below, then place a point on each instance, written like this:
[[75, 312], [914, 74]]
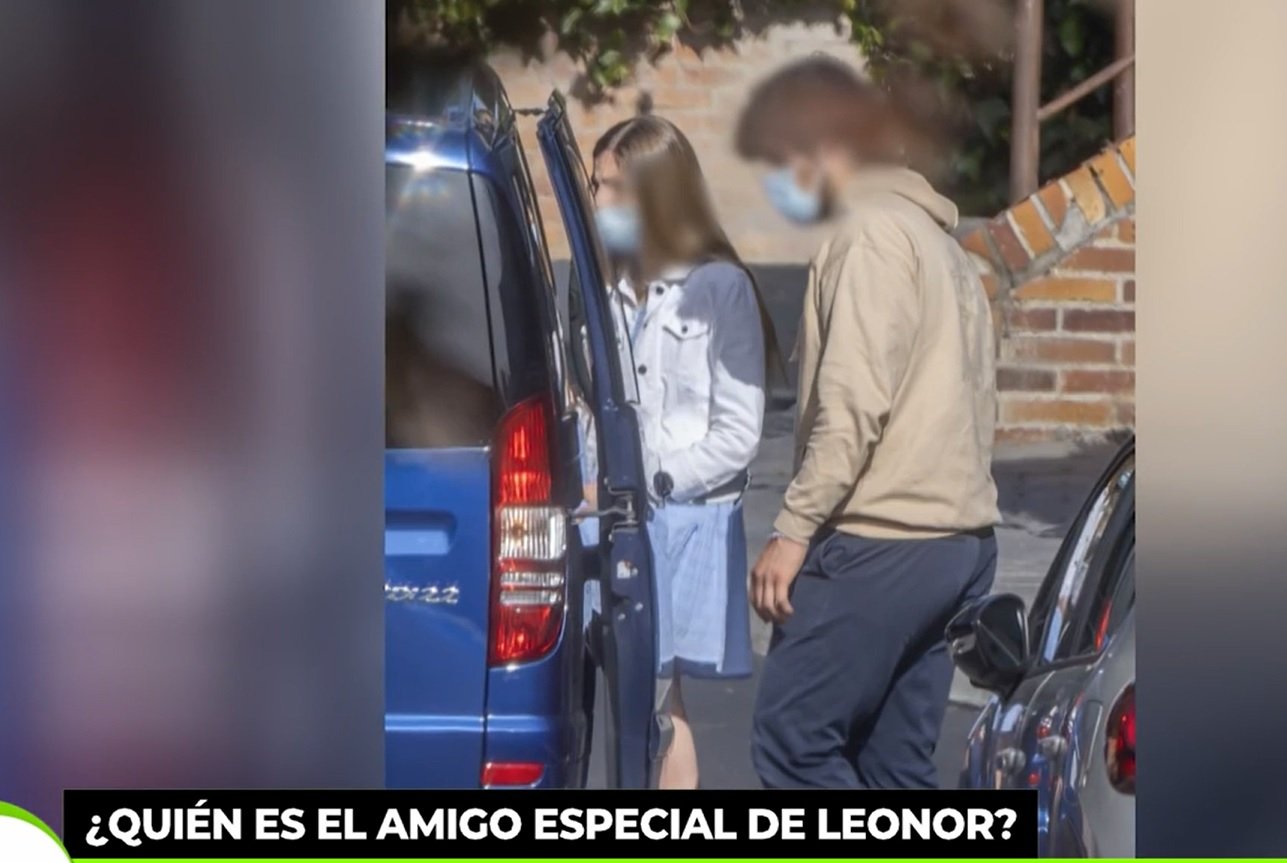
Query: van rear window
[[439, 382]]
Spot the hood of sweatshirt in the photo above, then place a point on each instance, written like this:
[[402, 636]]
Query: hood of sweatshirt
[[905, 183]]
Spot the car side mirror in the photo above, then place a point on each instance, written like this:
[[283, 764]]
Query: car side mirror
[[988, 641]]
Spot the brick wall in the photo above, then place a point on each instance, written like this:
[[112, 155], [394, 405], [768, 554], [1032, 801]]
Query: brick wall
[[1059, 267], [1060, 271], [701, 92]]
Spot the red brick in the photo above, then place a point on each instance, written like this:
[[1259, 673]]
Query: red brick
[[1094, 413], [1098, 321], [1012, 251], [1063, 350], [1126, 230], [1030, 380], [666, 98], [1127, 353], [712, 76], [1108, 170], [1087, 195], [1127, 149], [664, 75], [1098, 381], [1033, 320], [1100, 260], [1031, 228], [1055, 200], [1125, 414], [1069, 290], [1128, 291], [1023, 435], [687, 55], [976, 242]]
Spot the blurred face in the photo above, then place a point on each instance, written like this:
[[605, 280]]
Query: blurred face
[[806, 170], [608, 183], [796, 187], [804, 186], [615, 212]]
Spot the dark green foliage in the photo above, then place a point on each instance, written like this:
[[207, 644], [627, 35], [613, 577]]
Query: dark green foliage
[[946, 61]]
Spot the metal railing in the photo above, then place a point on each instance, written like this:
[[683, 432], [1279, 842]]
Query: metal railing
[[1029, 113]]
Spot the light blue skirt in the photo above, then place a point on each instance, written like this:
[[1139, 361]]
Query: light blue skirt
[[699, 557]]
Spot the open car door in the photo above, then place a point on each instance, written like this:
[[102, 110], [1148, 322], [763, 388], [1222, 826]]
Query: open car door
[[627, 637]]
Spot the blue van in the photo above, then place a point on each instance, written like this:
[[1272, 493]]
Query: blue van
[[490, 668]]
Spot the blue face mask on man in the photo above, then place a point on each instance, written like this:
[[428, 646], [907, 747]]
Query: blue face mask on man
[[618, 228], [803, 206]]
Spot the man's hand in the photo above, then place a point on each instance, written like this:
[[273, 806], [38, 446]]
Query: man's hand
[[772, 575]]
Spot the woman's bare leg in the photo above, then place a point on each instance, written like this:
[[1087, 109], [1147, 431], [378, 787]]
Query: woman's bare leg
[[679, 765]]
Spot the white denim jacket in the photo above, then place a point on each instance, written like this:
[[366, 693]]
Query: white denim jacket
[[698, 352]]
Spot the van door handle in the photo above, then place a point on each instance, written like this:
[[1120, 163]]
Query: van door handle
[[623, 506], [626, 511]]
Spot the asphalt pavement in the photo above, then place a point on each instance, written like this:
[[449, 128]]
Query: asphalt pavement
[[1041, 487]]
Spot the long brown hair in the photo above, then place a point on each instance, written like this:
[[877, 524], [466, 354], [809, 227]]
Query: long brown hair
[[675, 209]]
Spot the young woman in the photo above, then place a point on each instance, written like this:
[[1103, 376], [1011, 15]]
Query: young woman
[[700, 335]]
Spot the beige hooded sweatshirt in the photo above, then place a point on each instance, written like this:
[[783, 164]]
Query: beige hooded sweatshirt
[[897, 390]]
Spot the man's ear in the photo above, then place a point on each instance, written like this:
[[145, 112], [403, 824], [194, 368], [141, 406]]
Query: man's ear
[[837, 159]]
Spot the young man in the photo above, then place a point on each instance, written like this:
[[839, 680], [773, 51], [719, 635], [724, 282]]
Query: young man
[[886, 528]]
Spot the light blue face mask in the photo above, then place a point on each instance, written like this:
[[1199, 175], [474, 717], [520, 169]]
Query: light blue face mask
[[618, 228], [803, 206]]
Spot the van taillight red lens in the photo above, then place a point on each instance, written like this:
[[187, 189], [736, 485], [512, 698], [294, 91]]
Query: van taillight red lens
[[511, 773], [1119, 748], [523, 473], [530, 539], [521, 634]]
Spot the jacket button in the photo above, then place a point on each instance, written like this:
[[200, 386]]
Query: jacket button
[[643, 370], [660, 290], [684, 328]]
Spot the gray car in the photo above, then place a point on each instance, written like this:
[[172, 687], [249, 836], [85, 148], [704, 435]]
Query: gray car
[[1061, 719]]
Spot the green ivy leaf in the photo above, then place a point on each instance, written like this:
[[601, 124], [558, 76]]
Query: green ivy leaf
[[1072, 36], [668, 25], [609, 36], [570, 20]]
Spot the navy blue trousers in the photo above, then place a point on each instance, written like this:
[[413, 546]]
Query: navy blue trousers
[[856, 682]]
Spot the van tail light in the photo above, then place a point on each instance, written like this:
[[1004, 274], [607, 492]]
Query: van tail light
[[1119, 748], [530, 538], [511, 774]]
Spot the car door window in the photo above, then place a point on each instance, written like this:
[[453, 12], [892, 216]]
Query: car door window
[[1114, 596], [437, 347], [1062, 595], [575, 385]]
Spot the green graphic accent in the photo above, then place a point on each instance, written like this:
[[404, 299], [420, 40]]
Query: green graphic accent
[[10, 811]]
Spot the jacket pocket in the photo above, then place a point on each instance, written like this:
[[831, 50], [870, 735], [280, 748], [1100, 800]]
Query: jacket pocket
[[685, 343]]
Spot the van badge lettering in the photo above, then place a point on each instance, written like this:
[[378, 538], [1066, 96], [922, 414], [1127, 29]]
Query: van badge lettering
[[430, 594]]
